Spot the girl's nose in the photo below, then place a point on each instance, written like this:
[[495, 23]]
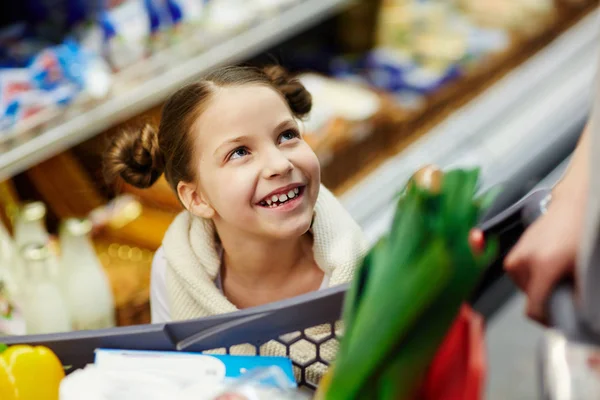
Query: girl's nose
[[276, 165]]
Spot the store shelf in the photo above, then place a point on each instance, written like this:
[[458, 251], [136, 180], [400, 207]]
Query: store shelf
[[81, 122], [523, 115]]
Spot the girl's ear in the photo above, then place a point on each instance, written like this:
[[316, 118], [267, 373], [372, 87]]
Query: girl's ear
[[194, 201]]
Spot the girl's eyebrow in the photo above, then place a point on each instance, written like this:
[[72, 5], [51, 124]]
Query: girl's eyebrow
[[284, 124], [229, 142]]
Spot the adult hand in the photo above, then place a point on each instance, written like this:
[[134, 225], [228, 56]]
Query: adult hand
[[547, 252]]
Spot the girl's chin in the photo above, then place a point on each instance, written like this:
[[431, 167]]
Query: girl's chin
[[290, 230]]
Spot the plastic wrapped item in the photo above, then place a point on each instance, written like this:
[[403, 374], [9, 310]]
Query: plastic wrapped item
[[122, 374], [259, 384], [54, 78], [14, 84], [126, 31]]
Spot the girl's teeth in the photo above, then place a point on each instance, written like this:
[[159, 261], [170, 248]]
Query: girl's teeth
[[296, 190], [282, 198], [274, 198], [269, 202], [291, 194]]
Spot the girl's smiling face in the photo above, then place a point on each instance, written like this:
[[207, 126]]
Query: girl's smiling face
[[255, 173]]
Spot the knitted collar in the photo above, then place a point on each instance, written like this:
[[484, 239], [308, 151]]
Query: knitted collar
[[193, 260]]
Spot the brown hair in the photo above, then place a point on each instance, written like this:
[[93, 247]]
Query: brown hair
[[140, 157]]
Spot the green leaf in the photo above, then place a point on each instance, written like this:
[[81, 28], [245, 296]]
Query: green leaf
[[3, 348]]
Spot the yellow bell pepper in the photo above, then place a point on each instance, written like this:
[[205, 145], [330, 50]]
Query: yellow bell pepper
[[29, 373]]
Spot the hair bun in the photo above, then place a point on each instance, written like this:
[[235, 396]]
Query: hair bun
[[135, 156], [298, 98]]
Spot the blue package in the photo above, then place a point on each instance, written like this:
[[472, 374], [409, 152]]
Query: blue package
[[386, 68], [156, 15], [424, 81], [226, 367], [166, 14]]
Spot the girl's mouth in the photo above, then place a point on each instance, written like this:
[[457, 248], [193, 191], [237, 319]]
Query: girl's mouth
[[282, 199]]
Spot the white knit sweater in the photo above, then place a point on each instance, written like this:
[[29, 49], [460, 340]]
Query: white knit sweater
[[193, 261]]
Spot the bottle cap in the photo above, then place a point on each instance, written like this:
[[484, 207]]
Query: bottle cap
[[77, 226], [33, 211]]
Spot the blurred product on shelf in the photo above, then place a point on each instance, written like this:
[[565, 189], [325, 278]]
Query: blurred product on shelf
[[341, 112], [8, 255], [44, 307], [421, 45], [158, 196], [102, 282], [136, 37], [65, 187], [125, 30], [344, 114], [431, 57], [51, 78], [30, 224], [128, 270], [11, 319], [523, 16], [126, 220], [9, 203], [85, 285]]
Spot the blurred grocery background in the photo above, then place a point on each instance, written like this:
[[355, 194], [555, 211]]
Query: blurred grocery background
[[502, 84]]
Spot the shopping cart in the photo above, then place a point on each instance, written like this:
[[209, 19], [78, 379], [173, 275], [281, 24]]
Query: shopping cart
[[285, 322]]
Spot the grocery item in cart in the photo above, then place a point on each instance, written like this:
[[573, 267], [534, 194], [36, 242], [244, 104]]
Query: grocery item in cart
[[29, 373], [123, 374], [410, 288]]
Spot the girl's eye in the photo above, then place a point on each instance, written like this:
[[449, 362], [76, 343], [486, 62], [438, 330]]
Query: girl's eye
[[290, 134], [239, 153]]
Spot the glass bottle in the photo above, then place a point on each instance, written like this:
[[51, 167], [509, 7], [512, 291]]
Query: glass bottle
[[11, 271], [11, 319], [30, 228], [86, 286], [44, 307], [30, 224]]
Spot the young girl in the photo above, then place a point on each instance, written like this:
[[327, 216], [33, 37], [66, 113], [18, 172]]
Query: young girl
[[258, 225]]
